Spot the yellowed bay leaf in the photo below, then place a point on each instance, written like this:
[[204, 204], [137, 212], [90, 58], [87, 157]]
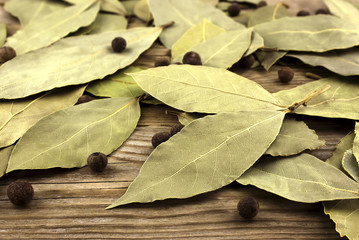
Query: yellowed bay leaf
[[71, 61], [17, 116], [66, 138], [52, 27], [204, 89], [302, 178], [142, 10], [229, 144]]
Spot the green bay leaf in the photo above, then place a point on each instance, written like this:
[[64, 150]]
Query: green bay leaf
[[223, 50], [207, 154], [4, 158], [195, 35], [350, 165], [294, 137], [117, 85], [204, 89], [340, 101], [302, 178], [66, 138], [343, 9], [317, 33], [346, 143], [71, 61], [52, 27], [17, 116], [185, 14]]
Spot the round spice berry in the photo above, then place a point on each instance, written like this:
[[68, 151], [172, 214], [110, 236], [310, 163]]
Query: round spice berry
[[261, 4], [192, 58], [84, 99], [159, 138], [176, 128], [20, 192], [97, 161], [303, 13], [6, 54], [118, 44], [248, 207], [285, 74], [162, 61], [322, 11], [246, 62], [234, 9]]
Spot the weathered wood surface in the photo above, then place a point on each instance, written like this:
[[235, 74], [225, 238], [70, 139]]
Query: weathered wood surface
[[70, 204]]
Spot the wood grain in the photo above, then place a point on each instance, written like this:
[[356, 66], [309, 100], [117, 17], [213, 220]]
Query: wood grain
[[70, 204]]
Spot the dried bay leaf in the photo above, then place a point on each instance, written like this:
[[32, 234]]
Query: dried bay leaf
[[317, 33], [268, 59], [142, 10], [356, 142], [345, 214], [185, 14], [351, 165], [17, 116], [71, 61], [343, 9], [302, 178], [294, 137], [4, 158], [32, 10], [204, 89], [113, 6], [267, 14], [256, 43], [344, 62], [117, 85], [3, 34], [223, 50], [345, 144], [66, 138], [207, 154], [340, 101], [195, 35], [210, 2], [53, 27]]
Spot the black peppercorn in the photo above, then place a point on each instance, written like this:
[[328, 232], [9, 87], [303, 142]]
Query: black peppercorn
[[302, 13], [322, 11], [162, 61], [97, 161], [246, 62], [192, 58], [6, 54], [176, 128], [84, 99], [20, 192], [159, 138], [234, 9], [261, 4], [285, 74], [248, 207], [118, 44]]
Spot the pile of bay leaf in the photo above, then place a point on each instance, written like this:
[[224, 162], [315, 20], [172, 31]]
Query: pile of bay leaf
[[64, 49]]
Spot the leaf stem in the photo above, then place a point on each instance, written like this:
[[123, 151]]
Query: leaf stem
[[167, 25], [312, 75]]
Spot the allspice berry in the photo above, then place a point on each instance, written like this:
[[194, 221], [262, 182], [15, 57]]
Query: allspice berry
[[159, 138], [322, 11], [97, 161], [118, 44], [176, 128], [285, 74], [84, 99], [192, 58], [234, 9], [6, 54], [261, 4], [162, 61], [248, 207], [303, 13], [20, 192], [246, 62]]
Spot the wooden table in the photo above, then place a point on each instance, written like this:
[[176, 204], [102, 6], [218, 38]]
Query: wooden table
[[70, 204]]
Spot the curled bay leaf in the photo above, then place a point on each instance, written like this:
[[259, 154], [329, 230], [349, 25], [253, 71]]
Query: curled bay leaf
[[346, 143], [185, 14], [345, 214], [317, 33], [207, 154], [117, 85], [4, 158], [340, 101], [223, 50], [195, 35], [52, 27], [302, 178], [66, 138], [71, 61], [344, 62], [267, 14], [294, 137], [356, 142], [343, 9], [17, 116], [204, 89], [351, 165]]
